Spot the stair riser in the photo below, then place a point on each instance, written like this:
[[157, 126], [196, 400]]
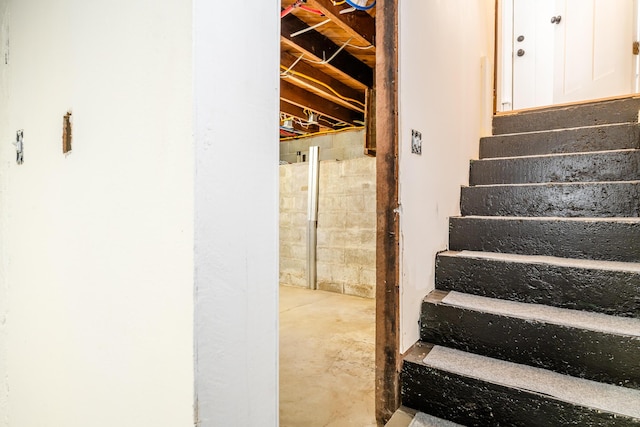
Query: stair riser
[[599, 240], [612, 137], [600, 113], [590, 167], [602, 291], [580, 353], [469, 401], [553, 200]]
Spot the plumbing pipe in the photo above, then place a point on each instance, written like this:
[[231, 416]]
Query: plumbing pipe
[[312, 216], [358, 7]]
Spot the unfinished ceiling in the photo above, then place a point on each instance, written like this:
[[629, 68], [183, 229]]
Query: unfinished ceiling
[[327, 58]]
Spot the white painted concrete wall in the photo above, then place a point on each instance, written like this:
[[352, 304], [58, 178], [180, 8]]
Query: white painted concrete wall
[[346, 252], [97, 247], [445, 94], [236, 222]]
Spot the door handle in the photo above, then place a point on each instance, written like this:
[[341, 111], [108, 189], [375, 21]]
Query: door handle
[[556, 19]]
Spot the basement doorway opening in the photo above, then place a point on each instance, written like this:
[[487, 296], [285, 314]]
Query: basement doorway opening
[[327, 213]]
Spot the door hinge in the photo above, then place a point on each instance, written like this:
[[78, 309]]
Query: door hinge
[[636, 48]]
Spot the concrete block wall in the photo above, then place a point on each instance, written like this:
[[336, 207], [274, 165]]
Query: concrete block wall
[[333, 146], [293, 224], [346, 226]]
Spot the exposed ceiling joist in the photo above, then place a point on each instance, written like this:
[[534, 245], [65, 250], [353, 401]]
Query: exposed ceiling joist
[[319, 90], [317, 47], [287, 60], [292, 110], [309, 129], [359, 25], [305, 99]]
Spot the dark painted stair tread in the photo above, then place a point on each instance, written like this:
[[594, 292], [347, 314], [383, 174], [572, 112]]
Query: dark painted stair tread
[[587, 345], [476, 390], [574, 199], [607, 287], [615, 165], [583, 139], [612, 239], [623, 110]]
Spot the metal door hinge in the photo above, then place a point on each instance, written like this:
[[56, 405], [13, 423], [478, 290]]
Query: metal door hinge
[[636, 48]]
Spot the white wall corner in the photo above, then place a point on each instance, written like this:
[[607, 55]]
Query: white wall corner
[[236, 213]]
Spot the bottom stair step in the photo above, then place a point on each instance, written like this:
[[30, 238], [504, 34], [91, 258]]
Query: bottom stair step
[[425, 420], [406, 417], [475, 390]]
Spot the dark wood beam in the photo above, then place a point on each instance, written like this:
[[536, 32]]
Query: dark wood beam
[[287, 60], [318, 47], [358, 24], [305, 99], [388, 358], [370, 119]]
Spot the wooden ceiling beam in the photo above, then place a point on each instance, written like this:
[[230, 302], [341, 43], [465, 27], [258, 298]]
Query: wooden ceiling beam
[[317, 47], [308, 129], [292, 110], [323, 92], [287, 60], [358, 24], [305, 99], [298, 113]]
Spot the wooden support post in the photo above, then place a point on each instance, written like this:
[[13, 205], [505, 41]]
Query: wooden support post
[[387, 244]]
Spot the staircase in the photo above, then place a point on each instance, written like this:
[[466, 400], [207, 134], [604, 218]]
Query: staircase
[[535, 320]]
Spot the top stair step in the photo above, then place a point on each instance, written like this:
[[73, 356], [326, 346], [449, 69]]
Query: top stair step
[[623, 110], [577, 140]]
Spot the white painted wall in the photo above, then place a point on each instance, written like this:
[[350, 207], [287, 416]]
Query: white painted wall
[[4, 303], [445, 59], [97, 246], [236, 221]]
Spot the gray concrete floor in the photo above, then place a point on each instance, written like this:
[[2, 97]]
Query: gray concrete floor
[[326, 359]]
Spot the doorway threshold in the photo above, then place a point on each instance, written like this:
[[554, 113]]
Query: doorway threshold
[[568, 104]]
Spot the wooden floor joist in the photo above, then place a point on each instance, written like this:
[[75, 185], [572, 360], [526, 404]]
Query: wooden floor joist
[[319, 48], [304, 99], [288, 60], [359, 25]]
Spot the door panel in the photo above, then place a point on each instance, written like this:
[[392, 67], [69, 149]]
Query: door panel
[[594, 43], [533, 71], [586, 55]]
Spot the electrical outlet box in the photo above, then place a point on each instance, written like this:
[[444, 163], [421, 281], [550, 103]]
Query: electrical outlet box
[[416, 142]]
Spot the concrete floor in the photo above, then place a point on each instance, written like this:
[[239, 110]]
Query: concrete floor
[[326, 359]]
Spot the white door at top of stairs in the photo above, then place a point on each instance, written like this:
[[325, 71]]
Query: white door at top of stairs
[[560, 51]]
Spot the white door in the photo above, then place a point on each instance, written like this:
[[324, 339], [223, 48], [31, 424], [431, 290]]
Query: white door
[[533, 52], [568, 50]]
